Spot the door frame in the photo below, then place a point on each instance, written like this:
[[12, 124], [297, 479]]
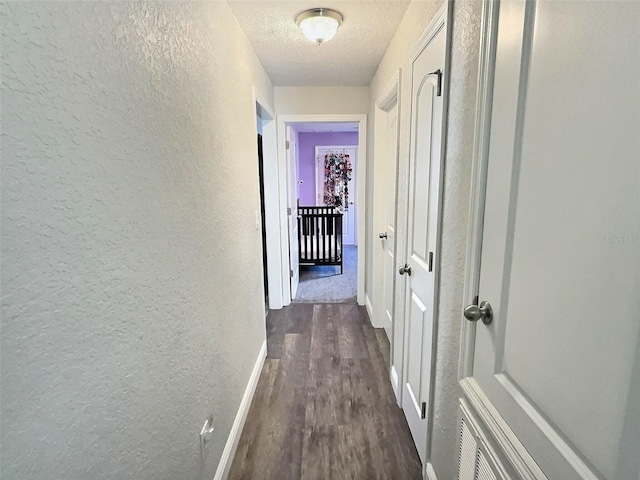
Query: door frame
[[479, 166], [496, 426], [361, 120], [292, 200], [271, 198], [390, 97]]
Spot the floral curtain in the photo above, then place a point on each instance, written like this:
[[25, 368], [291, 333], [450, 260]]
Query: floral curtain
[[337, 173]]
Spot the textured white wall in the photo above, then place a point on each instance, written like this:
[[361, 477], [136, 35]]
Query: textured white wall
[[457, 171], [321, 100], [132, 303], [455, 214]]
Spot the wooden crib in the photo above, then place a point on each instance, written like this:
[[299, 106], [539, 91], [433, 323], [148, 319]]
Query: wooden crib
[[320, 236]]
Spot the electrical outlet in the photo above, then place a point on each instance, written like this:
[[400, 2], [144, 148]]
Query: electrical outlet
[[206, 433]]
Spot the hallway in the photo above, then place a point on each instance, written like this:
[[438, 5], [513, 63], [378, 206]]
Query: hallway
[[497, 224], [324, 407]]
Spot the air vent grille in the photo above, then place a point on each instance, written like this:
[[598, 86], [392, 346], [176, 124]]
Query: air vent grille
[[483, 470], [467, 454]]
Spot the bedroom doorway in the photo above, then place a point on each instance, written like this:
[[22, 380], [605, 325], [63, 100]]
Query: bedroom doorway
[[332, 276]]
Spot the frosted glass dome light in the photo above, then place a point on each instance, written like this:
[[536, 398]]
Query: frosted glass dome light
[[319, 24]]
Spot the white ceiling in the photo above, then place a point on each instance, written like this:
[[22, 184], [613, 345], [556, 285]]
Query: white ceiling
[[349, 59]]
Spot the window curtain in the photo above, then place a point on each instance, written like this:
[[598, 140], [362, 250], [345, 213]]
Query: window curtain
[[337, 173]]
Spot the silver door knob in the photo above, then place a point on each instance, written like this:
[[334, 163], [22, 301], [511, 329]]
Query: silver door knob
[[405, 269], [473, 313], [383, 235]]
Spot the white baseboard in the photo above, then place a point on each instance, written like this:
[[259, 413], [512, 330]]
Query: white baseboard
[[395, 383], [236, 429], [430, 472], [367, 303]]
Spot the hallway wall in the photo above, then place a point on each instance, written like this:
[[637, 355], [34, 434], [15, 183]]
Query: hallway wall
[[307, 143], [465, 30], [321, 100], [132, 302]]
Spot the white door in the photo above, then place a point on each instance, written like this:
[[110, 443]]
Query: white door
[[389, 234], [560, 258], [424, 194], [349, 214], [292, 210]]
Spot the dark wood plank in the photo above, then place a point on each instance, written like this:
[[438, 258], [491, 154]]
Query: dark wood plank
[[324, 334], [324, 407]]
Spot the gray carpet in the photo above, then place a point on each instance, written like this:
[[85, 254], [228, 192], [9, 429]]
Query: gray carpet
[[326, 285]]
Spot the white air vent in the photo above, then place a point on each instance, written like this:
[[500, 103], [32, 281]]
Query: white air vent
[[484, 470], [467, 454], [476, 459]]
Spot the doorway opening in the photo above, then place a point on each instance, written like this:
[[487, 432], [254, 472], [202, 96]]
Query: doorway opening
[[263, 223], [288, 194], [326, 166]]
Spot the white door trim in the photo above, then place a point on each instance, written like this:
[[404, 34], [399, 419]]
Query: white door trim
[[488, 38], [361, 120], [391, 93], [271, 198], [292, 201], [499, 431], [431, 31], [390, 97]]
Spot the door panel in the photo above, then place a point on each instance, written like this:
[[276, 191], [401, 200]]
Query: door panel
[[560, 261], [425, 97], [420, 322], [424, 195]]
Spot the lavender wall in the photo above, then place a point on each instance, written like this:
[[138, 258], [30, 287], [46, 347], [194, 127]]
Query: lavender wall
[[307, 143]]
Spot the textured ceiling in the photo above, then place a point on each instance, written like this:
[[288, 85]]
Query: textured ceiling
[[350, 58]]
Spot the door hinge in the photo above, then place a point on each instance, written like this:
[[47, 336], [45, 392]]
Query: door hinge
[[439, 88], [424, 410], [291, 273], [288, 210], [431, 261], [287, 145]]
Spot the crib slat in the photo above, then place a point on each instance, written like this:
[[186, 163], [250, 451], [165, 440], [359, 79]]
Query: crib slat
[[310, 238], [299, 220], [335, 235], [317, 251]]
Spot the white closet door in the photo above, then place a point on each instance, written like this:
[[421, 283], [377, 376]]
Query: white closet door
[[560, 263]]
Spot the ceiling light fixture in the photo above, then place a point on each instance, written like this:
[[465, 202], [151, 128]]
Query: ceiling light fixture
[[319, 24]]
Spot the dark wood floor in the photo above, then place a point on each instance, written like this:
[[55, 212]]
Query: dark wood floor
[[324, 407]]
